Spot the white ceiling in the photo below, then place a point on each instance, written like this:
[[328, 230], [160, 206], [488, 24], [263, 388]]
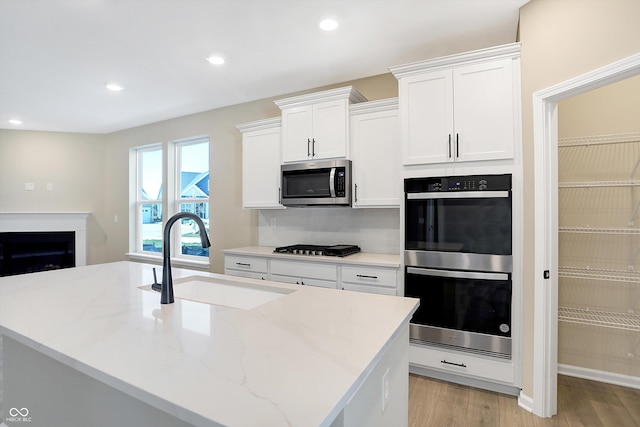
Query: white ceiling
[[57, 55]]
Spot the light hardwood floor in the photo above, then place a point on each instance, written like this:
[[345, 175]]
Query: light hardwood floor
[[580, 403]]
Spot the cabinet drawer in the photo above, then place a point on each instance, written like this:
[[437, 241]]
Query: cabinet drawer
[[304, 281], [462, 364], [243, 263], [310, 270], [370, 276]]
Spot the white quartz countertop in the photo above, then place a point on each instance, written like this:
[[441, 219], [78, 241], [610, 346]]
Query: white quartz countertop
[[292, 361], [361, 258]]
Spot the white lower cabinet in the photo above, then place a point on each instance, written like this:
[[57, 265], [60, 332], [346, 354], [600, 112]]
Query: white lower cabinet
[[246, 266], [334, 275], [376, 280], [304, 273], [462, 364]]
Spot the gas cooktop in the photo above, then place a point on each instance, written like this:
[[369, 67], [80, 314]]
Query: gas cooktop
[[334, 250]]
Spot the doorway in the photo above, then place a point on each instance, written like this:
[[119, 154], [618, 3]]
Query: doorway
[[545, 111]]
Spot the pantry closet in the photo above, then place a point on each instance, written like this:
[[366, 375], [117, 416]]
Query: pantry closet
[[599, 234]]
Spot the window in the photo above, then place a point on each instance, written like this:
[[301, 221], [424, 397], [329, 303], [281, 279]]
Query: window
[[170, 178], [192, 193]]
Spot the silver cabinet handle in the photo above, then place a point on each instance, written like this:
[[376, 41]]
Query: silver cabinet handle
[[243, 264], [308, 149], [449, 145], [313, 147], [366, 276], [356, 195], [457, 150]]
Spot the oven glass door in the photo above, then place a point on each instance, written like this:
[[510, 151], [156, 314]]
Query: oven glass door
[[474, 222], [462, 300], [315, 183]]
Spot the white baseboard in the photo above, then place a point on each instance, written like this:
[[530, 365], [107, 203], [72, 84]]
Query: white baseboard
[[602, 376], [525, 402]]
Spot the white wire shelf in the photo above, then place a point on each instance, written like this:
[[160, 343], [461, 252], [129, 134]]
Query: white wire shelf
[[581, 141], [584, 316], [594, 230], [628, 276], [592, 184]]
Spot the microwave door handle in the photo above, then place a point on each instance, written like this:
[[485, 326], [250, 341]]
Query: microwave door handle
[[460, 195], [457, 274], [332, 182]]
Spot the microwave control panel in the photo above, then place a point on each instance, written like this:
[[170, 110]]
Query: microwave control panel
[[458, 183], [340, 182]]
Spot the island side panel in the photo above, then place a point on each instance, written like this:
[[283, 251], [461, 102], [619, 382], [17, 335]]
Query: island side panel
[[54, 394], [388, 380]]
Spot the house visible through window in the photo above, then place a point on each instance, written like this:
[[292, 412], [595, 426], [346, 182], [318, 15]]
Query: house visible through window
[[185, 168]]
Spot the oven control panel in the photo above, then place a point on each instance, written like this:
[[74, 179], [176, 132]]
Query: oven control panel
[[458, 183]]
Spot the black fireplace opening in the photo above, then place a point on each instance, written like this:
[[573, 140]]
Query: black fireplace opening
[[29, 252]]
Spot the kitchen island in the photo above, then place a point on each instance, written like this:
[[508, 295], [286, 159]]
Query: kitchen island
[[88, 346]]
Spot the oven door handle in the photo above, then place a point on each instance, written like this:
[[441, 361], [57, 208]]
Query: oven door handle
[[459, 195], [457, 274]]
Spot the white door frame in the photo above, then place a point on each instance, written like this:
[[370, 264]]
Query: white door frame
[[545, 139]]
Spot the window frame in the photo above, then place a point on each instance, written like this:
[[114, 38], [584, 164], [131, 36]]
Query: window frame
[[170, 201]]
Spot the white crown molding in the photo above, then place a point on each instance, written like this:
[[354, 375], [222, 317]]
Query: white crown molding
[[260, 124], [348, 92], [374, 106], [511, 50]]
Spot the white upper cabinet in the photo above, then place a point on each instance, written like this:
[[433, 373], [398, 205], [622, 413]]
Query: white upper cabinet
[[460, 108], [376, 147], [316, 126], [261, 164]]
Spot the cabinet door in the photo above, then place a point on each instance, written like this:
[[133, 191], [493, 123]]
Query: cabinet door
[[330, 129], [484, 111], [261, 169], [296, 133], [426, 104], [376, 154]]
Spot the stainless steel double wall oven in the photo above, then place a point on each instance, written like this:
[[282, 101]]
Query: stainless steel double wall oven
[[458, 261]]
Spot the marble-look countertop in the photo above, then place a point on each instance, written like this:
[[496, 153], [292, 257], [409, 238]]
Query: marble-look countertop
[[293, 361], [360, 258]]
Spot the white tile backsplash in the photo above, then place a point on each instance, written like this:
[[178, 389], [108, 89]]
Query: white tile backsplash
[[374, 230]]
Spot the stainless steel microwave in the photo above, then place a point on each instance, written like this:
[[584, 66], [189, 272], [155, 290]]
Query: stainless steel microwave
[[317, 183]]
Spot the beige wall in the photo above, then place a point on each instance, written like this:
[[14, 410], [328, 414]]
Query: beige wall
[[72, 162], [562, 39]]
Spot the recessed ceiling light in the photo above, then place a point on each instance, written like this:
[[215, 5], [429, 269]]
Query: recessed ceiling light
[[328, 24], [114, 87], [15, 122], [216, 60]]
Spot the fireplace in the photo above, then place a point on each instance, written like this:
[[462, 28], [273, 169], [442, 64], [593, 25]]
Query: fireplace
[[37, 241], [29, 252]]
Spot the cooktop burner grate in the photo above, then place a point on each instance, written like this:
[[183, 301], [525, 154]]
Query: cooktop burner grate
[[334, 250]]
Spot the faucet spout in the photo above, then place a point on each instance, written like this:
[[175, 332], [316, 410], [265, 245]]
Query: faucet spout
[[166, 295]]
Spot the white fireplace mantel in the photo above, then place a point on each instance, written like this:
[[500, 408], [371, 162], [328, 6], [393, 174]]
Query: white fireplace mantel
[[50, 221]]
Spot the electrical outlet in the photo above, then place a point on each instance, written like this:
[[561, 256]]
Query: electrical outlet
[[385, 390], [29, 186], [49, 186]]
